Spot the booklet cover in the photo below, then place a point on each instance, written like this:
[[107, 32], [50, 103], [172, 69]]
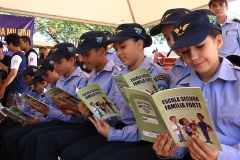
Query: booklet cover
[[181, 112], [138, 79], [31, 99], [98, 102], [15, 114], [57, 92]]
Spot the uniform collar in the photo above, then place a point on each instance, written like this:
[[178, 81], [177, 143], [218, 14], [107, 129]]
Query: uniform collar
[[108, 67], [224, 72], [179, 62], [111, 51], [76, 72], [145, 64], [228, 20]]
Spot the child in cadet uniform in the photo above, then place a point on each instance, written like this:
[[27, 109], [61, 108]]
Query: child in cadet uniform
[[91, 47], [198, 44], [111, 53], [166, 25], [46, 69], [129, 40], [54, 118]]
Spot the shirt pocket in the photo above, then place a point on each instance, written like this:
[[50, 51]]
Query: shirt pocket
[[231, 38], [229, 120]]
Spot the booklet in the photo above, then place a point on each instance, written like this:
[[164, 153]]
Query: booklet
[[138, 79], [15, 114], [97, 101], [180, 112], [57, 92], [31, 99]]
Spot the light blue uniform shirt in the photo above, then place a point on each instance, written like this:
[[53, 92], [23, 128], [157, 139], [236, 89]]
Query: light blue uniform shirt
[[130, 133], [231, 38], [177, 72], [222, 95], [77, 78], [105, 80], [111, 55]]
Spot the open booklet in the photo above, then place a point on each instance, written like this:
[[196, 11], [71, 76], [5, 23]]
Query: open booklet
[[138, 79], [180, 112], [15, 114], [57, 93], [31, 99], [97, 101]]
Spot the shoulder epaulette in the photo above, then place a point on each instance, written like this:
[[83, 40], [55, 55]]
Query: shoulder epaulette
[[183, 78], [236, 20]]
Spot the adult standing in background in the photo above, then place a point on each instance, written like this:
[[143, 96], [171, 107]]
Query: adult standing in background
[[230, 28], [30, 53], [43, 52]]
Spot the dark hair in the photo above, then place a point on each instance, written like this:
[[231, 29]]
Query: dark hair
[[104, 47], [51, 69], [181, 121], [191, 124], [210, 3], [137, 38], [13, 38], [1, 44], [26, 39], [214, 33], [69, 56], [199, 114], [234, 59]]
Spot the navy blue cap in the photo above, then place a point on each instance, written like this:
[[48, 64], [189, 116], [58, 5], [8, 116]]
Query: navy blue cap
[[43, 67], [130, 30], [193, 28], [171, 16], [108, 34], [60, 50], [211, 1], [35, 80], [31, 70], [89, 40]]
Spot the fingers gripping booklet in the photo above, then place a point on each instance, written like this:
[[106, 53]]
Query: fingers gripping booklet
[[15, 114], [31, 99], [57, 93], [180, 112], [97, 101]]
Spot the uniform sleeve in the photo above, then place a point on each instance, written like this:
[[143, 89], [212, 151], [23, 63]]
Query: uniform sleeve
[[178, 154], [26, 108], [15, 62], [229, 152], [55, 113], [32, 59], [82, 82], [129, 133]]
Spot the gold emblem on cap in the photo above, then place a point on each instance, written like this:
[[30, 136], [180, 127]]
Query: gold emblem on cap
[[39, 66], [165, 17], [117, 31], [180, 31], [54, 50], [80, 41]]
